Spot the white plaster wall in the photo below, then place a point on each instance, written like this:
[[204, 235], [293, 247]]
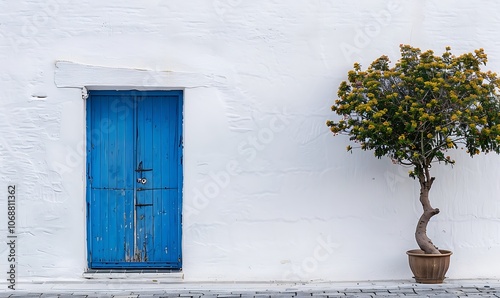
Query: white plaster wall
[[269, 194]]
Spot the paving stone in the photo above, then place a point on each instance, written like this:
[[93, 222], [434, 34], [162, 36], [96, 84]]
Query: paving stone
[[303, 295], [290, 294], [469, 289], [486, 287], [246, 295], [402, 291], [319, 292], [326, 293], [489, 291], [425, 292], [351, 291]]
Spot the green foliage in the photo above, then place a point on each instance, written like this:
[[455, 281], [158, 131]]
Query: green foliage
[[424, 105]]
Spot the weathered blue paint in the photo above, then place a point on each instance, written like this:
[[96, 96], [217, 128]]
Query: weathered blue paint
[[132, 136]]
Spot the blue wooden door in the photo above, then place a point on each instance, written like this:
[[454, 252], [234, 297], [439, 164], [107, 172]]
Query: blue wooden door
[[134, 179]]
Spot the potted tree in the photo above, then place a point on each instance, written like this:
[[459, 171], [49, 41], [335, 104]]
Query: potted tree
[[416, 111]]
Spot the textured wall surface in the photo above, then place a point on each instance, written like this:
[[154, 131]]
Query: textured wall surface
[[269, 194]]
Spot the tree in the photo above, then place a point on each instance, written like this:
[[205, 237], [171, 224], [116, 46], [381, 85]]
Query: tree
[[419, 109]]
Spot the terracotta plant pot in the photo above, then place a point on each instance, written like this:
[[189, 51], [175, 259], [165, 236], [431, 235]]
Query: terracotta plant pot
[[429, 268]]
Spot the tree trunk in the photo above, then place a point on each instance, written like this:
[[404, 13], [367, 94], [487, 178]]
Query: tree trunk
[[423, 241]]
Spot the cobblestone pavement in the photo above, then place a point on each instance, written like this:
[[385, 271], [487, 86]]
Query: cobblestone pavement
[[321, 290]]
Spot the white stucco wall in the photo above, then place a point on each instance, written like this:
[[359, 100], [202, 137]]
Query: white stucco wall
[[269, 194]]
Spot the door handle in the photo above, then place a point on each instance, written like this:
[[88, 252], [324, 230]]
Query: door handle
[[142, 180], [140, 169]]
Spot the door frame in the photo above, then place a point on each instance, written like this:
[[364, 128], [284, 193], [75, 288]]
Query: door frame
[[180, 119]]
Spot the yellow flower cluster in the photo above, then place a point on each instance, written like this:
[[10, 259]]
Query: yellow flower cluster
[[422, 103]]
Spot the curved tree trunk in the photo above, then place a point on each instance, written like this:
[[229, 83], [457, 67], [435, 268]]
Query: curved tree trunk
[[423, 241]]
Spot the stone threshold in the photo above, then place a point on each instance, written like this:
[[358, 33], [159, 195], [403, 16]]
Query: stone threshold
[[139, 274]]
